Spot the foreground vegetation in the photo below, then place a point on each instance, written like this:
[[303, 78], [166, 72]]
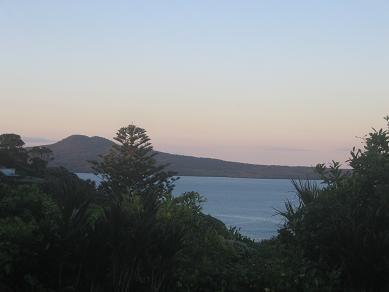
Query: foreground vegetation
[[59, 233]]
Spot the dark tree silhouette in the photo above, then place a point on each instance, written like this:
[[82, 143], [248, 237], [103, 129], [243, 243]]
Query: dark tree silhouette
[[12, 153]]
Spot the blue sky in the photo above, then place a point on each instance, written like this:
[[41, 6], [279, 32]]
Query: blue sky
[[276, 82]]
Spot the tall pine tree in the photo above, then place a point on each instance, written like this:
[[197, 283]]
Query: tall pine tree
[[130, 166], [142, 246]]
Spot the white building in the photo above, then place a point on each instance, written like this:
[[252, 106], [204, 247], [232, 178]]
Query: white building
[[8, 171]]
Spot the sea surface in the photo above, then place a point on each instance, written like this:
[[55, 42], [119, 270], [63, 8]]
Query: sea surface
[[249, 204]]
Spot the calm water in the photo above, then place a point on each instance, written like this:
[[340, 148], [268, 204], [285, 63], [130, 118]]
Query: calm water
[[249, 204]]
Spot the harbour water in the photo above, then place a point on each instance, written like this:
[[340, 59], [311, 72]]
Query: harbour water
[[248, 204]]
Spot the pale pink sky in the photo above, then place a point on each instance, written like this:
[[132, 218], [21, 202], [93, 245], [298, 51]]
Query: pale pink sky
[[258, 82]]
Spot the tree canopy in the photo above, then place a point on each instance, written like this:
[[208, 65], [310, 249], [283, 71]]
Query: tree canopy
[[12, 153]]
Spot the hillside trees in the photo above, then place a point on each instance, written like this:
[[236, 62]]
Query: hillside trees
[[27, 161], [45, 238], [45, 224], [29, 220], [161, 242], [59, 233], [12, 153], [39, 157], [342, 229]]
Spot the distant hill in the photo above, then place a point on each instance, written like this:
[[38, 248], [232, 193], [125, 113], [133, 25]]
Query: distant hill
[[75, 151]]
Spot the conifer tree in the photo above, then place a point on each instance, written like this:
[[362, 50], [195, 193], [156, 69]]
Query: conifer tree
[[130, 166], [140, 243]]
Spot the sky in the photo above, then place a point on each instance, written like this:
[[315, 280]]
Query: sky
[[269, 82]]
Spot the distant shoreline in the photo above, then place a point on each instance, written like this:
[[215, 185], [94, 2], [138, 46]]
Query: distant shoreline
[[75, 153], [203, 176]]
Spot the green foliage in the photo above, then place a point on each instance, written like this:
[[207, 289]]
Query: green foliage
[[46, 224], [59, 233], [342, 229], [39, 157], [12, 153], [29, 224], [142, 241], [10, 142], [130, 165]]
